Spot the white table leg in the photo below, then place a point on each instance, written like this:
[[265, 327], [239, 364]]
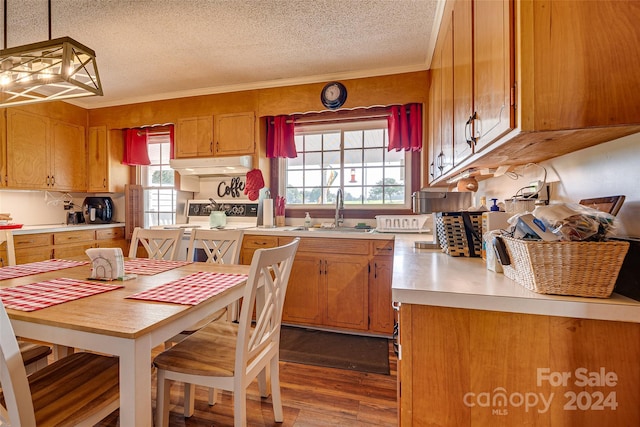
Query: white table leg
[[135, 384]]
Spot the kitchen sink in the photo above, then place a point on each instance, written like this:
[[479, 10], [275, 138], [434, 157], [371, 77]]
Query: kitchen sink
[[339, 230]]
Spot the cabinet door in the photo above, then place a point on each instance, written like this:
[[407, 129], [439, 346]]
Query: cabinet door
[[493, 70], [68, 157], [381, 316], [304, 299], [446, 117], [462, 80], [435, 98], [27, 150], [194, 137], [97, 159], [346, 288], [235, 134]]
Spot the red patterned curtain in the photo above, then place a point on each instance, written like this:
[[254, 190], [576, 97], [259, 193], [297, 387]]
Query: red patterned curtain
[[281, 137], [405, 127]]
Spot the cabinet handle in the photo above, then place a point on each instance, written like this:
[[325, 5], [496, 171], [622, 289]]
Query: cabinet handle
[[375, 270], [260, 243], [325, 266], [104, 182], [432, 171], [320, 267], [53, 180], [471, 140], [211, 147], [441, 162]]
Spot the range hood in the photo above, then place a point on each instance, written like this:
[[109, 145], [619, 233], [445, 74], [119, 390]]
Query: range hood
[[212, 166]]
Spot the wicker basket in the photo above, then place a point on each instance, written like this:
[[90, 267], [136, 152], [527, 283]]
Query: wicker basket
[[453, 237], [585, 269]]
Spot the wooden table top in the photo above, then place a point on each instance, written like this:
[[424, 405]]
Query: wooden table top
[[111, 313]]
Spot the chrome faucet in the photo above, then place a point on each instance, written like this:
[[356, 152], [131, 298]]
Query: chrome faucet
[[339, 220]]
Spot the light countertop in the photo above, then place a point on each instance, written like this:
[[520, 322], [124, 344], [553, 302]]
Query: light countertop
[[56, 228], [430, 277], [292, 231]]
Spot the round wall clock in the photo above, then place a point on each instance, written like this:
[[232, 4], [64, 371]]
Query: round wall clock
[[333, 95]]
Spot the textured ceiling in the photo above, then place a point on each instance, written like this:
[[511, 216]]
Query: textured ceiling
[[159, 49]]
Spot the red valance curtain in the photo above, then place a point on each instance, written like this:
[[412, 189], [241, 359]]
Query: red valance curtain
[[281, 137], [405, 127], [136, 149]]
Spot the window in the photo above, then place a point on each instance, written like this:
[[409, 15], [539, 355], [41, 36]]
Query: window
[[157, 179], [351, 156]]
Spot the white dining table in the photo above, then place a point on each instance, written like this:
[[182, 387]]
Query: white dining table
[[128, 328]]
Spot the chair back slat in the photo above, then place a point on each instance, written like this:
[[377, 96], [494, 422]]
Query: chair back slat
[[220, 246], [159, 243], [13, 377], [270, 270]]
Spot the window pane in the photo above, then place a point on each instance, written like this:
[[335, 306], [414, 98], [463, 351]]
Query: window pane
[[331, 159], [313, 143], [374, 138], [354, 159], [353, 139], [331, 141]]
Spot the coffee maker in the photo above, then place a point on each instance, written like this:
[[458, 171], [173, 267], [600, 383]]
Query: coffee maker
[[97, 210], [428, 201]]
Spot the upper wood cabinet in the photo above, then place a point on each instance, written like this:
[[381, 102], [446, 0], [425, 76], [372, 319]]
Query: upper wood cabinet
[[471, 82], [106, 173], [194, 137], [234, 134], [549, 78], [44, 153]]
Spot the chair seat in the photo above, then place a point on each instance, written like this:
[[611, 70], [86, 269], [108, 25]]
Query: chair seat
[[32, 352], [193, 355], [74, 388]]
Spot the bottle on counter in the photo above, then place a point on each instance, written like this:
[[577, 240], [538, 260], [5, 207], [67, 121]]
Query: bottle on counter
[[307, 221]]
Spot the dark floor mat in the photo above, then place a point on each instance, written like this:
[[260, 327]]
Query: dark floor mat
[[334, 350]]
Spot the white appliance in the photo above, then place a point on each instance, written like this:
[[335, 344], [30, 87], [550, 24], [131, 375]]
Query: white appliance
[[241, 214]]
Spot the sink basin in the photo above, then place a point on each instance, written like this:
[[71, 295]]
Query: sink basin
[[341, 230]]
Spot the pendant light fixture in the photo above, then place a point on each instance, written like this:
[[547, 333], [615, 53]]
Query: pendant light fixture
[[51, 70]]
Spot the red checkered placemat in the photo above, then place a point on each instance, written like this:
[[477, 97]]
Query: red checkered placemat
[[21, 270], [35, 296], [146, 266], [191, 289]]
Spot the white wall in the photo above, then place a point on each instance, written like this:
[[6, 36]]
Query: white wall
[[607, 169], [47, 207]]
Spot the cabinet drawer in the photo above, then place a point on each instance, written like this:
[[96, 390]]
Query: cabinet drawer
[[257, 242], [32, 240], [27, 255], [382, 247], [71, 250], [73, 236], [334, 246], [110, 233]]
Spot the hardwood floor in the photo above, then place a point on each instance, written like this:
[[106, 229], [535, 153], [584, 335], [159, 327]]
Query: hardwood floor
[[312, 397]]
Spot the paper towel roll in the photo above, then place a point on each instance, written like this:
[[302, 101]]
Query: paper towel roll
[[267, 212]]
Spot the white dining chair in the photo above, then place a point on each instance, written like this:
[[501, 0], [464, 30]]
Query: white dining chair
[[229, 355], [34, 355], [158, 243], [78, 390]]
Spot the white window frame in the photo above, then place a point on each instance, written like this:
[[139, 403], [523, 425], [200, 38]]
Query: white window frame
[[345, 127], [171, 192]]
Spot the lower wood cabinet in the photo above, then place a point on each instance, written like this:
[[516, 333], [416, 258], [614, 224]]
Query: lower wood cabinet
[[340, 284], [43, 246], [463, 367]]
